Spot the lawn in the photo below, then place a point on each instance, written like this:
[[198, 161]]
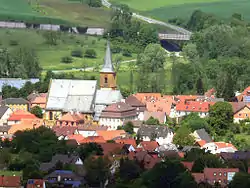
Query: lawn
[[50, 56], [10, 173], [167, 9], [54, 11], [244, 136]]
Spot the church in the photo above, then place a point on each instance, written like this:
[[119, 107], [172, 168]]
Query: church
[[83, 96]]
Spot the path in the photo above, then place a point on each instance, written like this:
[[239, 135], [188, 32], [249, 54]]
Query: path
[[153, 21]]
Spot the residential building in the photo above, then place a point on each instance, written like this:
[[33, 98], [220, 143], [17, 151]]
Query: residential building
[[10, 181], [16, 104], [70, 96], [91, 139], [218, 147], [16, 82], [161, 116], [111, 149], [37, 99], [36, 183], [161, 134], [128, 141], [237, 155], [137, 124], [244, 96], [201, 137], [5, 113], [4, 130], [115, 114], [148, 146], [90, 130], [62, 132], [112, 134], [25, 124], [241, 111], [64, 159], [223, 176], [137, 104], [66, 178], [77, 137], [17, 116], [72, 119]]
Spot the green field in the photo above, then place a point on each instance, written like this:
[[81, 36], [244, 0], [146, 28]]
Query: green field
[[50, 56], [54, 11], [167, 9], [10, 173]]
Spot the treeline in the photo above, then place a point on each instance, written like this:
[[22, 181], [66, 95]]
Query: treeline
[[218, 56]]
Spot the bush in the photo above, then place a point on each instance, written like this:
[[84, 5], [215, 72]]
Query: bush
[[77, 53], [116, 50], [126, 52], [90, 53], [67, 59], [94, 3], [14, 42], [93, 42]]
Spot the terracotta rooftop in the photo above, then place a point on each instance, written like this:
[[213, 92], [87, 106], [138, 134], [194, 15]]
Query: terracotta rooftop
[[41, 99], [157, 115], [148, 145], [111, 148], [134, 102], [147, 97], [77, 137], [188, 165], [72, 117], [25, 124], [129, 141], [89, 139], [10, 181], [194, 106], [110, 135], [20, 114], [237, 106], [64, 130]]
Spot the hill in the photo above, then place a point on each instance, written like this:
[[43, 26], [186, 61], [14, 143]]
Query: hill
[[54, 11], [167, 9]]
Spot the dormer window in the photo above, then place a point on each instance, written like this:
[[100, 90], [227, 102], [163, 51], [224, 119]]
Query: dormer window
[[105, 80]]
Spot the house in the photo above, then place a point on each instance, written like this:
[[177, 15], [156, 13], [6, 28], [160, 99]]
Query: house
[[72, 119], [66, 178], [17, 116], [111, 148], [16, 82], [64, 159], [237, 155], [244, 96], [148, 146], [25, 124], [188, 165], [91, 139], [115, 115], [137, 124], [218, 147], [36, 183], [201, 137], [70, 96], [112, 134], [161, 134], [223, 176], [127, 141], [62, 132], [16, 104], [4, 130], [37, 99], [5, 113], [90, 130], [77, 137], [161, 116], [10, 181], [187, 107], [241, 111], [137, 104], [146, 97]]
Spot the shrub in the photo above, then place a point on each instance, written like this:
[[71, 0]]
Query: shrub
[[94, 3], [90, 53], [67, 59], [126, 52], [93, 42], [77, 53], [116, 50], [14, 42]]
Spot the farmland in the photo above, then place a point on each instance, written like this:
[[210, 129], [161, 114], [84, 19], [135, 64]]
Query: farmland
[[167, 9], [54, 11]]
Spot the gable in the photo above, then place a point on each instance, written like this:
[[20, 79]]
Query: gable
[[243, 113]]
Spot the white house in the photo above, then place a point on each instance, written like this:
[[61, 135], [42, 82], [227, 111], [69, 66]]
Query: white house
[[218, 147], [5, 113]]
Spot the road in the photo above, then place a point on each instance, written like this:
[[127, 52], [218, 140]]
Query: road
[[152, 21]]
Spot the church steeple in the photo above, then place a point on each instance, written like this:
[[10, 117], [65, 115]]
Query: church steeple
[[108, 66], [107, 73]]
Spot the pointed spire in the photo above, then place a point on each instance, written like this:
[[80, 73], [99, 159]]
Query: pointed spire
[[108, 66]]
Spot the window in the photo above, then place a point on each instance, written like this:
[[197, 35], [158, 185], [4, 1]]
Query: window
[[220, 174], [105, 80], [219, 181], [50, 116], [225, 174], [214, 173]]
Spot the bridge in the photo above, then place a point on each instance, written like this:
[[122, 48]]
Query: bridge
[[181, 33], [181, 37]]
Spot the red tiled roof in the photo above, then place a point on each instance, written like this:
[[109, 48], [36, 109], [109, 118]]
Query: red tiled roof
[[147, 97], [188, 165], [210, 92], [201, 143], [77, 137], [193, 106], [129, 141], [109, 135], [89, 139], [198, 177], [71, 117], [134, 102], [119, 110], [64, 130], [148, 145], [35, 183], [19, 114], [25, 124], [111, 148], [237, 106], [164, 104], [157, 115], [10, 181], [224, 145]]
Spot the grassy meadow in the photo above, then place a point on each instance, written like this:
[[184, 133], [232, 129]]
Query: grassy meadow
[[54, 11], [167, 9], [50, 56]]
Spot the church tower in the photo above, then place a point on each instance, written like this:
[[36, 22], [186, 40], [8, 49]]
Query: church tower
[[107, 73]]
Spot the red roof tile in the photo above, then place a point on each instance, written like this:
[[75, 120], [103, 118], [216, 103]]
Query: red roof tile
[[147, 97], [35, 183], [110, 135], [161, 116], [129, 141], [111, 148], [198, 177], [201, 143], [10, 181], [89, 139], [19, 114], [148, 145], [77, 137], [188, 165], [64, 130], [194, 106]]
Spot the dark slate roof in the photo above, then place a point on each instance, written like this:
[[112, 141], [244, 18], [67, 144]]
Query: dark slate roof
[[204, 135], [237, 155], [134, 102], [148, 130], [3, 109], [64, 174], [14, 101], [188, 148], [4, 128]]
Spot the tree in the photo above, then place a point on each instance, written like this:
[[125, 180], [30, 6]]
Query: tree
[[194, 122], [94, 3], [129, 170], [152, 121], [221, 117], [97, 171], [170, 173], [151, 73], [183, 137], [90, 53], [240, 180], [37, 111], [207, 160], [67, 59], [51, 37], [88, 149], [129, 127]]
